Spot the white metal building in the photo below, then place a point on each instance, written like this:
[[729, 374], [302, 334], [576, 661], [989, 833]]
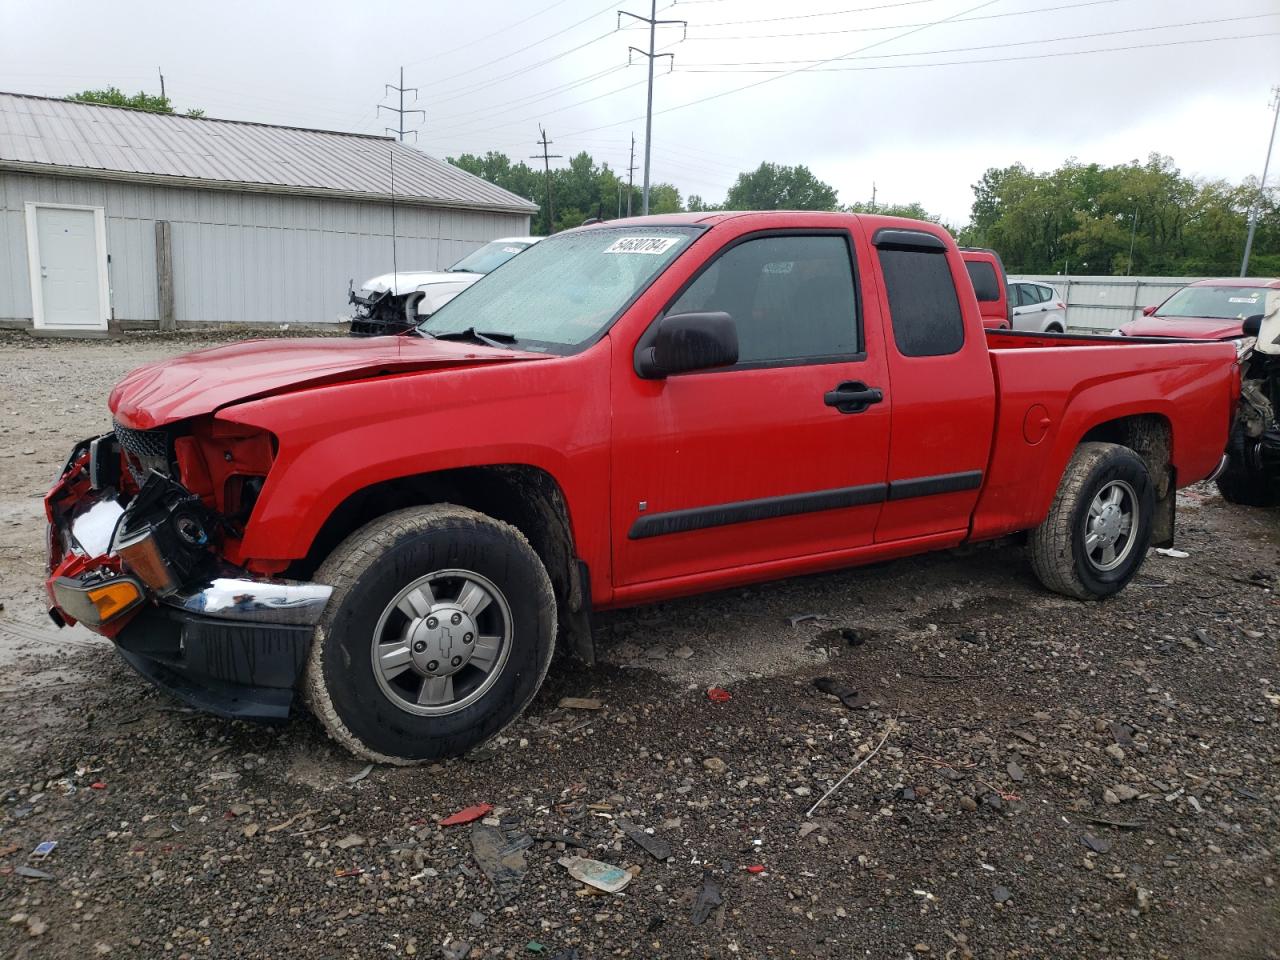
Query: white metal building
[[117, 217]]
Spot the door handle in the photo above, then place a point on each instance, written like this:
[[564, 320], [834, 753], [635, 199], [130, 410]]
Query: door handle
[[852, 396]]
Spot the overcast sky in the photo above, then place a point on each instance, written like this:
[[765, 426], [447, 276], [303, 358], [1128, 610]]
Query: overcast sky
[[896, 109]]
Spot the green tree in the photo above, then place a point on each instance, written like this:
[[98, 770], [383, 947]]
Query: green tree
[[113, 96], [772, 186]]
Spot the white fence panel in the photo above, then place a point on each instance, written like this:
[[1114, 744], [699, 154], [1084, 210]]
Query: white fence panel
[[1100, 304]]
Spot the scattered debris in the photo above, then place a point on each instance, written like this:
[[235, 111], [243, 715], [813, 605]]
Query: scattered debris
[[755, 868], [602, 876], [1015, 771], [682, 653], [467, 815], [718, 695], [849, 635], [1001, 894], [580, 703], [357, 777], [653, 845], [499, 852], [1172, 552], [349, 872], [456, 950], [846, 695], [349, 841], [1096, 844], [798, 618], [709, 897], [97, 785], [43, 849], [888, 729], [31, 873], [715, 765]]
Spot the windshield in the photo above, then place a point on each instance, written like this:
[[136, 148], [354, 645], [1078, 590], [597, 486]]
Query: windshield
[[566, 289], [489, 257], [1220, 303]]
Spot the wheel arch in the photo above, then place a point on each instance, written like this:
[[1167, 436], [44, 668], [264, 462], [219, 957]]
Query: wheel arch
[[525, 496], [1150, 436]]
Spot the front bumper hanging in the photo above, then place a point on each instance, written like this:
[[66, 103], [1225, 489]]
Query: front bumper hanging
[[222, 641]]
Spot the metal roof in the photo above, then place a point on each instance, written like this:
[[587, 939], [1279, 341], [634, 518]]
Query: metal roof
[[46, 135]]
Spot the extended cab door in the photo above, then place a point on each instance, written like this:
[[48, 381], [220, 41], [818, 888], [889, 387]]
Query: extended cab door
[[757, 462], [943, 385]]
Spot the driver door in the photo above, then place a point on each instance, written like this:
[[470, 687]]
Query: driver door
[[753, 464]]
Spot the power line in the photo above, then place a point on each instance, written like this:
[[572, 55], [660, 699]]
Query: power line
[[509, 26], [1034, 56], [546, 163], [899, 26], [651, 55], [694, 67], [528, 46], [760, 83], [825, 13], [401, 111]]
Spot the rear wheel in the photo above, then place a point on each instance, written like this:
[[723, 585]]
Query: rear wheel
[[1245, 479], [438, 634], [1099, 528]]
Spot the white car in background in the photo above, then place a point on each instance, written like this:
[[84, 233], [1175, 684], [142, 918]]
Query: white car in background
[[1037, 307], [394, 302]]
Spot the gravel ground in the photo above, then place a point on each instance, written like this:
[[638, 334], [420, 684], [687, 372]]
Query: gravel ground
[[1033, 777]]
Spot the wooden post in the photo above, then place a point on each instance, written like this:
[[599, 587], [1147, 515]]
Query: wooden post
[[164, 276]]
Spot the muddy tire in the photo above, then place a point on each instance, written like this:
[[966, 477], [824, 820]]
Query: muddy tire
[[1245, 480], [439, 632], [1099, 528]]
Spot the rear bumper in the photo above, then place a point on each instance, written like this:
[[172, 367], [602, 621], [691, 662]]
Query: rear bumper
[[228, 668]]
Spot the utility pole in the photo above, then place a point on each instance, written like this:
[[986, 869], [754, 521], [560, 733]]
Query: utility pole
[[1133, 236], [546, 166], [160, 71], [653, 22], [399, 129], [1262, 184], [631, 174], [873, 196]]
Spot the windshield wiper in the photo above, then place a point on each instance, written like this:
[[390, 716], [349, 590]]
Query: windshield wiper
[[490, 339], [460, 270]]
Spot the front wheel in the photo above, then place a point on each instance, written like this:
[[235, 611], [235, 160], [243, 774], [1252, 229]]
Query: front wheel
[[1099, 528], [439, 632]]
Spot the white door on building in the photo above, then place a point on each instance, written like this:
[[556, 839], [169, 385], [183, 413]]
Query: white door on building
[[68, 268]]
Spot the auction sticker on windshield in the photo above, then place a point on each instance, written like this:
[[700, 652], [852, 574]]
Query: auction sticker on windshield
[[655, 245]]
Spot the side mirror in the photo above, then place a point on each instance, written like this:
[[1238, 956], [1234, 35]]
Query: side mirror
[[687, 341], [1252, 326], [1148, 311]]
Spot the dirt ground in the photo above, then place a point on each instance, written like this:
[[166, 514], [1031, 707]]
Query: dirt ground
[[1033, 777]]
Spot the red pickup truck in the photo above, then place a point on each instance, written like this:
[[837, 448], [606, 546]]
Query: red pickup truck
[[401, 528]]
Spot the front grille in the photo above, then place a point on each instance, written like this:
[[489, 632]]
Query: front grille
[[145, 450]]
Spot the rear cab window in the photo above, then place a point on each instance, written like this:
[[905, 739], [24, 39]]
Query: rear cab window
[[985, 283], [924, 309]]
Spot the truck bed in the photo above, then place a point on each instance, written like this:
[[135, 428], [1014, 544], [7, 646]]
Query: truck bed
[[1054, 389]]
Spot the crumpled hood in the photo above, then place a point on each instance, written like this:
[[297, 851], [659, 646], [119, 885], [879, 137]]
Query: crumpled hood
[[408, 281], [205, 381], [1194, 328]]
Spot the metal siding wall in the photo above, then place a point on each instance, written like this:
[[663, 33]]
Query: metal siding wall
[[1101, 304], [241, 257]]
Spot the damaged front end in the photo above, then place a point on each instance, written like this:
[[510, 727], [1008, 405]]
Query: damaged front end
[[144, 534], [384, 312]]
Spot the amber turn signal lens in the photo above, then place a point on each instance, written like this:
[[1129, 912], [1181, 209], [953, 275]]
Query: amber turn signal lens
[[142, 556], [114, 598]]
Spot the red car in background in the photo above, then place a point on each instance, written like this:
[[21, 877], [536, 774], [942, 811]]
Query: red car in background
[[1204, 310], [991, 286]]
